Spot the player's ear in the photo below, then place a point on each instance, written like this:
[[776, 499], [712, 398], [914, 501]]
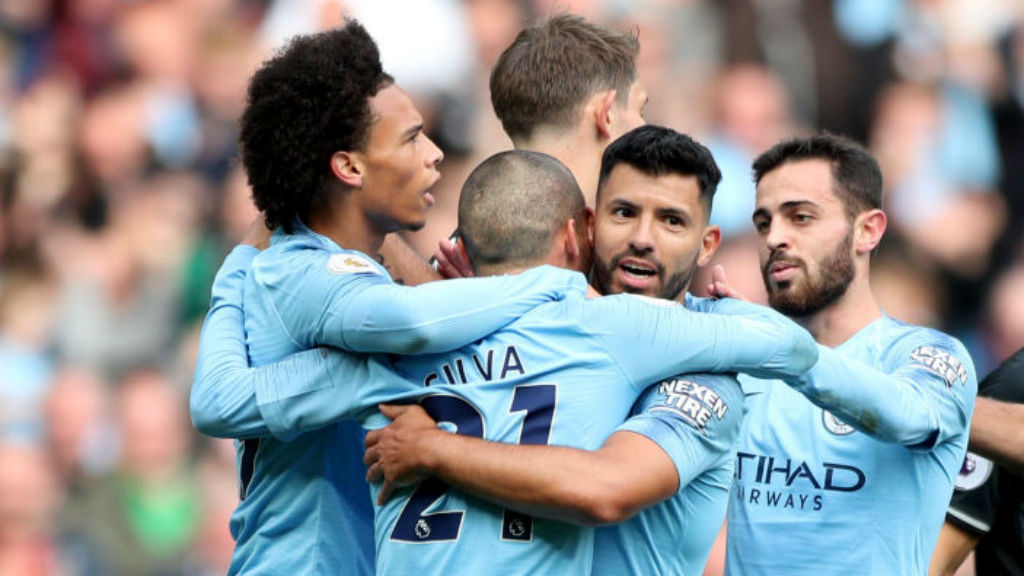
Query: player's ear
[[348, 168], [588, 225], [603, 106], [869, 226], [709, 244], [570, 240]]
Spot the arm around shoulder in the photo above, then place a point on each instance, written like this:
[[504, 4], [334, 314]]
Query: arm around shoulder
[[627, 474]]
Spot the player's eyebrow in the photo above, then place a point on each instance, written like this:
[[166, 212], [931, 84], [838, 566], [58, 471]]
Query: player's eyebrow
[[795, 204], [677, 212], [763, 212], [412, 131]]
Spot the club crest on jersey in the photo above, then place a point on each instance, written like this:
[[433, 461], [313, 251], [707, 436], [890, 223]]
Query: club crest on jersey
[[942, 363], [350, 264], [834, 425], [973, 472]]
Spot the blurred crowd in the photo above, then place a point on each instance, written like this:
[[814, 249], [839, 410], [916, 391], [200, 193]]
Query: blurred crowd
[[120, 193]]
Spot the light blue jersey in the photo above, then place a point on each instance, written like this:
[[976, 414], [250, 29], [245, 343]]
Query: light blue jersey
[[305, 507], [675, 536], [816, 495], [566, 373]]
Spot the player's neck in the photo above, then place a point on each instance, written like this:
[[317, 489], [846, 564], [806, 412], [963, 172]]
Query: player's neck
[[581, 156], [348, 227], [850, 314]]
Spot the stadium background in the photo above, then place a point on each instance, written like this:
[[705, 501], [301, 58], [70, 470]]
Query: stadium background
[[120, 193]]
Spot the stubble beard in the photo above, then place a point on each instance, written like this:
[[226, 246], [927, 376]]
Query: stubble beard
[[808, 295], [673, 287]]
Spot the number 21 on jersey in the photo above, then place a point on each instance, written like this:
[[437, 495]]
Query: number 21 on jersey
[[414, 524]]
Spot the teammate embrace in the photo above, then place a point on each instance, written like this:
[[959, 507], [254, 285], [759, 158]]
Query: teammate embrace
[[570, 411]]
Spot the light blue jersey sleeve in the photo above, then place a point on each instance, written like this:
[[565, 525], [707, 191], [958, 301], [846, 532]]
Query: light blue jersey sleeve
[[694, 418], [222, 400], [642, 333], [925, 395], [225, 398], [347, 301]]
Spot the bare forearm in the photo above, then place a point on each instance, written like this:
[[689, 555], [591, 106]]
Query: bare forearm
[[997, 431], [553, 482], [952, 549]]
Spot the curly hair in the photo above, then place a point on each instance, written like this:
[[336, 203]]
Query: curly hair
[[310, 100]]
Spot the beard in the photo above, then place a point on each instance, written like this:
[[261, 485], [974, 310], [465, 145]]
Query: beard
[[671, 288], [810, 294]]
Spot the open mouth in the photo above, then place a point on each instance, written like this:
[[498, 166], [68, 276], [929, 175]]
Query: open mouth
[[637, 275], [640, 271]]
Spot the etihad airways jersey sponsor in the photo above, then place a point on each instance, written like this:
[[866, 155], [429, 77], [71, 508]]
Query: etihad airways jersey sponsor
[[814, 495]]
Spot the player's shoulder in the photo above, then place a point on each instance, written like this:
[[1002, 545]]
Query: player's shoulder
[[899, 334], [713, 389], [303, 256], [933, 349]]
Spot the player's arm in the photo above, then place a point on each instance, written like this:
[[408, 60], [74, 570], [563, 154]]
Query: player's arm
[[342, 300], [654, 339], [684, 426], [404, 264], [926, 400], [953, 547], [997, 431], [629, 473], [302, 392]]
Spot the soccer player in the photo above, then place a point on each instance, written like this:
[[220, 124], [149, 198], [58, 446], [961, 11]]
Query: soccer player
[[985, 514], [562, 374], [336, 157], [568, 88], [848, 469], [873, 458], [653, 204]]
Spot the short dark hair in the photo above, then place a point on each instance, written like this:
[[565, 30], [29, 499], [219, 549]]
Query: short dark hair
[[857, 176], [656, 151], [550, 70], [307, 102], [511, 206]]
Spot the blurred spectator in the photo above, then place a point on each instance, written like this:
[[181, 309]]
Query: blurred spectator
[[30, 544], [81, 435], [213, 545], [750, 114], [1002, 329], [151, 504], [26, 318]]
